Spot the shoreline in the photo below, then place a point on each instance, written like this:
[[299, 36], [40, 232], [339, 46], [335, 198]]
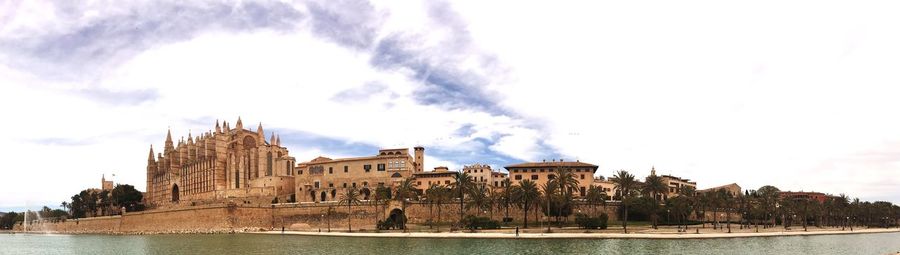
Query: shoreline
[[494, 235]]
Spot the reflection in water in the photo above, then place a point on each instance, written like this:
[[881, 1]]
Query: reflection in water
[[292, 244]]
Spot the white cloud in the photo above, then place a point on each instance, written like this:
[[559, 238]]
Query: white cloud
[[761, 93]]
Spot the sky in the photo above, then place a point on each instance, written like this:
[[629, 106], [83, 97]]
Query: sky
[[802, 95]]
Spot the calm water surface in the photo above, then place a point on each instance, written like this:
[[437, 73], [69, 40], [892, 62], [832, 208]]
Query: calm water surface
[[294, 244]]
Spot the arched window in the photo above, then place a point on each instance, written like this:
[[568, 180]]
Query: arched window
[[269, 164], [334, 194], [396, 175], [175, 195]]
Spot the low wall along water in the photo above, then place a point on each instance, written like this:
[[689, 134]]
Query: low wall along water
[[221, 218]]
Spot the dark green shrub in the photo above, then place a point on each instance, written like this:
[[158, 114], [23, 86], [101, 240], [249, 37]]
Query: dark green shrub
[[587, 222], [472, 223]]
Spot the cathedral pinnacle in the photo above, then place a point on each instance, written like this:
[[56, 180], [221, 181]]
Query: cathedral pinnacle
[[151, 154], [239, 125]]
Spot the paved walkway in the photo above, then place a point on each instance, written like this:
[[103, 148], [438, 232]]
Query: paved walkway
[[578, 235]]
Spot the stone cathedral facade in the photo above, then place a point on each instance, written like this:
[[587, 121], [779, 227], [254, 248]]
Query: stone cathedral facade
[[227, 163]]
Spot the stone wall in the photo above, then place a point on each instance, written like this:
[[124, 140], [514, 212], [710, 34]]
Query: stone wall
[[215, 218]]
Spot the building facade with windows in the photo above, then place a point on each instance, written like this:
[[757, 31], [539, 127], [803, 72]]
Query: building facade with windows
[[220, 164], [542, 172], [482, 174], [441, 176], [325, 179]]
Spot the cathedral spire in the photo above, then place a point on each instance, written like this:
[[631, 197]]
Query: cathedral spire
[[169, 144], [151, 154], [272, 140], [260, 132], [278, 140], [218, 129], [239, 125]]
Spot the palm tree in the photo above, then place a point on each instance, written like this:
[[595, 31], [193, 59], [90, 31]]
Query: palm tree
[[350, 198], [506, 196], [654, 186], [382, 195], [478, 199], [524, 195], [462, 185], [328, 214], [405, 190], [549, 190], [595, 196], [566, 183], [438, 195], [430, 196], [625, 183]]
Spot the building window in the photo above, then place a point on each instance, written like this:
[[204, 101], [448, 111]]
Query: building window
[[299, 171], [446, 182], [354, 185], [365, 184], [419, 183], [532, 170], [331, 185], [345, 185], [330, 170], [380, 167], [346, 168], [518, 177], [367, 168], [582, 191], [582, 177], [534, 177], [317, 185]]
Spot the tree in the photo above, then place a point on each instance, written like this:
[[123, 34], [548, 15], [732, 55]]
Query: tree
[[437, 195], [506, 196], [350, 198], [524, 195], [726, 202], [124, 195], [478, 199], [565, 183], [405, 190], [595, 196], [769, 199], [8, 220], [654, 186], [462, 185], [625, 183], [382, 195]]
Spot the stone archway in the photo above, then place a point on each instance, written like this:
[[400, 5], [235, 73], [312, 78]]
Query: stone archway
[[312, 195], [398, 218], [175, 195], [323, 196]]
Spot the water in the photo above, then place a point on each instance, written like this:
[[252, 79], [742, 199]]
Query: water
[[885, 243]]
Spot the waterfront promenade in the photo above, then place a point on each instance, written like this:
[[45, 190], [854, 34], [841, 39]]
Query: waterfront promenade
[[662, 233]]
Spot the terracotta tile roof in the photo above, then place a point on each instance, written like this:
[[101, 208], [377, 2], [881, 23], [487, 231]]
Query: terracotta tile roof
[[551, 164]]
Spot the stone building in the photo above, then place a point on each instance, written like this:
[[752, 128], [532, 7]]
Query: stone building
[[540, 173], [733, 188], [483, 175], [673, 184], [106, 185], [325, 179], [801, 195], [439, 176], [220, 164]]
